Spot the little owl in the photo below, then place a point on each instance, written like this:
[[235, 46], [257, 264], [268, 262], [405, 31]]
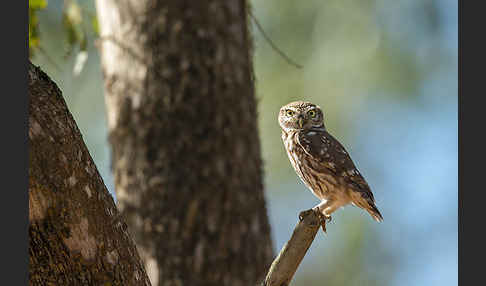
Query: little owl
[[321, 161]]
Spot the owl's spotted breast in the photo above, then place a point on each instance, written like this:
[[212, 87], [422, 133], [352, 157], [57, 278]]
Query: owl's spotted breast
[[319, 180]]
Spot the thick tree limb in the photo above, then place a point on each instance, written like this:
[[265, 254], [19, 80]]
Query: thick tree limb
[[76, 235], [284, 266]]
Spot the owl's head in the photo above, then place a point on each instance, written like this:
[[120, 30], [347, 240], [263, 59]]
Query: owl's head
[[300, 115]]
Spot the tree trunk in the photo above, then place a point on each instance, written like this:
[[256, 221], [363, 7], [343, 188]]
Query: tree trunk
[[76, 236], [183, 129]]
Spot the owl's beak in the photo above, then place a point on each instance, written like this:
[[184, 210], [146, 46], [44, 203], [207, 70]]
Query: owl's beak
[[301, 122]]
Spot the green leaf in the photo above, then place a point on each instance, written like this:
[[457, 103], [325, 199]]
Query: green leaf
[[34, 7], [74, 13], [37, 4], [73, 20], [96, 27]]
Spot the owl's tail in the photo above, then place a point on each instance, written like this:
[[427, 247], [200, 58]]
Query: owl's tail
[[374, 212], [365, 201]]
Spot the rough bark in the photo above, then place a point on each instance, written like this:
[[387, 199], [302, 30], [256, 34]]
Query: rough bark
[[76, 236], [183, 130]]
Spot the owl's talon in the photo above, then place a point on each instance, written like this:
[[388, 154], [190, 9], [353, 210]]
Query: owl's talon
[[323, 225], [323, 219], [329, 218]]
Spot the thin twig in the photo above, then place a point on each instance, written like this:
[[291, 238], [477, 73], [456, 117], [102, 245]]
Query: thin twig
[[284, 266], [267, 38]]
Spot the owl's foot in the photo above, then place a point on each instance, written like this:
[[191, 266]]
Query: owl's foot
[[323, 218], [328, 218]]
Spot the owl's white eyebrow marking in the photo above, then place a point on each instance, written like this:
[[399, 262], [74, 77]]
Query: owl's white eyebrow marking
[[291, 108]]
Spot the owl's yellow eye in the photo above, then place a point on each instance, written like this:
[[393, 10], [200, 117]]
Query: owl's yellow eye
[[289, 112], [312, 113]]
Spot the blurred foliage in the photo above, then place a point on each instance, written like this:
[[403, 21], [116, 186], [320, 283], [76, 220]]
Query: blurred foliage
[[77, 24], [72, 20], [34, 7]]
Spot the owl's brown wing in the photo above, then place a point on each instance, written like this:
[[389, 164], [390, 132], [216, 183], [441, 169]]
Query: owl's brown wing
[[329, 153]]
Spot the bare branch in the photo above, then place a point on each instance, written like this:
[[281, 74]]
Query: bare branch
[[284, 266]]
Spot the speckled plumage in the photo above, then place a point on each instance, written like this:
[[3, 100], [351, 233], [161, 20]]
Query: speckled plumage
[[322, 162]]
